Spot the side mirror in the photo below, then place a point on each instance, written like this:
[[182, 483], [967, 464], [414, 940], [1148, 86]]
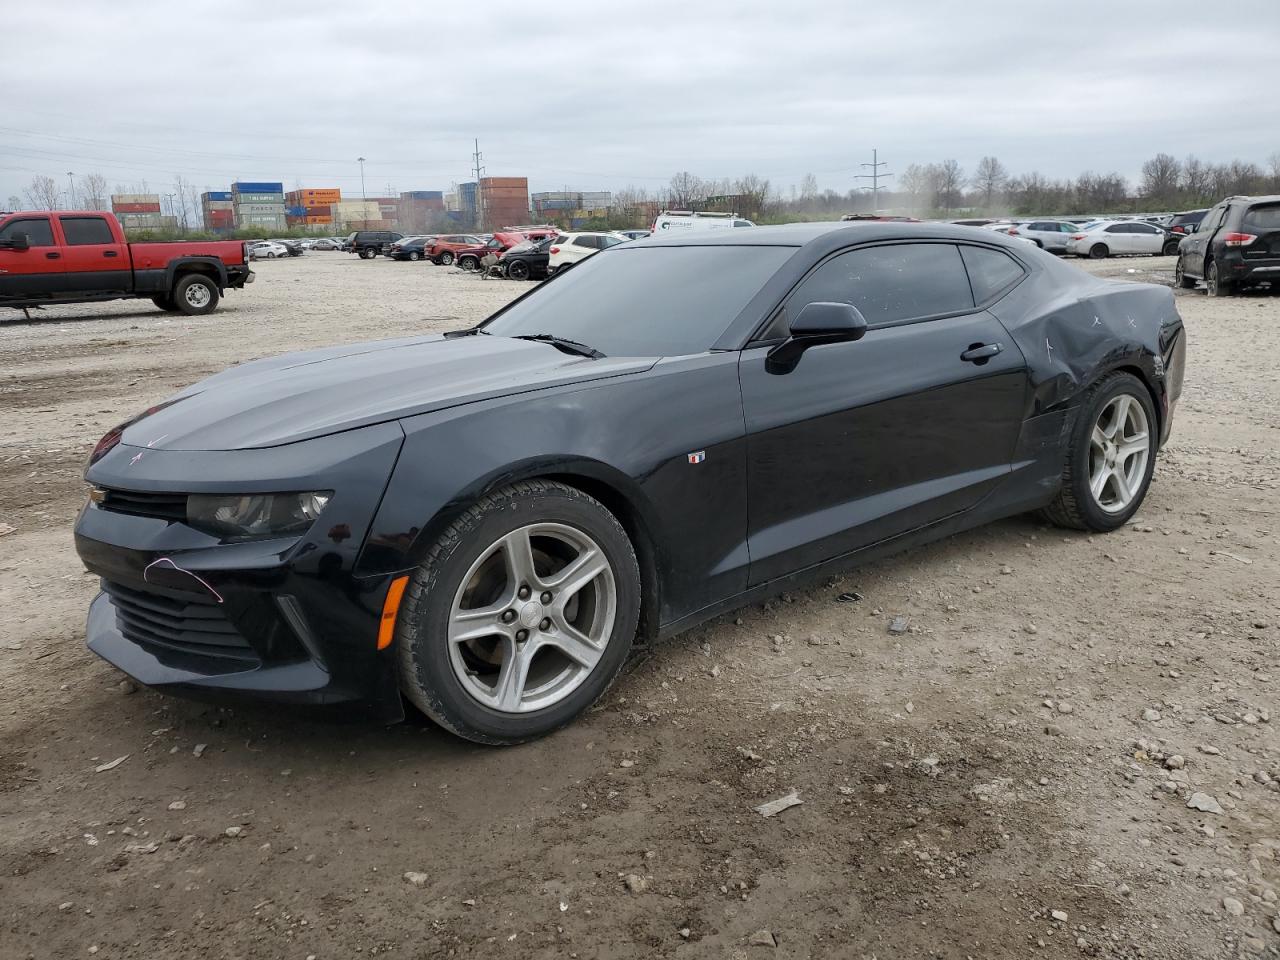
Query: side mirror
[[19, 241], [816, 324]]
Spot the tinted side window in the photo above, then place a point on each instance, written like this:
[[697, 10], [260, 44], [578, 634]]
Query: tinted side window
[[991, 272], [1142, 228], [81, 231], [587, 242], [893, 283], [1118, 228], [561, 238], [38, 231]]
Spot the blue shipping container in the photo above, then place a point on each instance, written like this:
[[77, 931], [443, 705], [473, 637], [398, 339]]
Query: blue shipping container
[[423, 195], [216, 195], [257, 188]]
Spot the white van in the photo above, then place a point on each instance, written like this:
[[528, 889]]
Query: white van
[[682, 221]]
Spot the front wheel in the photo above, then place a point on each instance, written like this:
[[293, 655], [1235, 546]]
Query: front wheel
[[1110, 459], [1170, 248], [468, 263], [1098, 251], [414, 256], [518, 270], [1180, 278], [446, 259], [195, 294], [368, 253], [521, 615]]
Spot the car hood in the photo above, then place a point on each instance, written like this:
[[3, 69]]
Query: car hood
[[298, 396]]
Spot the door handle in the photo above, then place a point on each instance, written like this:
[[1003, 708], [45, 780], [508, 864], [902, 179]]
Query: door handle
[[111, 253], [52, 256], [981, 352]]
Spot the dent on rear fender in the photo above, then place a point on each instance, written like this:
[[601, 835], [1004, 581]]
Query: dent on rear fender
[[1073, 342]]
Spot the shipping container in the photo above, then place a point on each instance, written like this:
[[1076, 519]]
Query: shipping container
[[135, 208], [260, 198], [218, 205], [216, 196], [135, 198], [423, 195], [505, 182], [255, 187]]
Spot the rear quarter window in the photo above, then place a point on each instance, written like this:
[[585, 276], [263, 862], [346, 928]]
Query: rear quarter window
[[83, 231], [991, 273]]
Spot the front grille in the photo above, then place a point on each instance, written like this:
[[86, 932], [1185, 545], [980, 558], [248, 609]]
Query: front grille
[[162, 506], [196, 627]]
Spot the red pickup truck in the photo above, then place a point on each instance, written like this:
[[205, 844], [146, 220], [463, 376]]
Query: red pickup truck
[[81, 257]]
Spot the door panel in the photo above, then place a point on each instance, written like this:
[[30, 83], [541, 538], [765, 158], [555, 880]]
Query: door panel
[[866, 440], [36, 271], [93, 262]]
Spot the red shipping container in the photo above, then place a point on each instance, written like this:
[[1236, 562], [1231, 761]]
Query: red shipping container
[[135, 208]]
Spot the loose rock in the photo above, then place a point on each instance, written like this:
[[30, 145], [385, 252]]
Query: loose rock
[[636, 883], [763, 938], [416, 878], [1203, 802], [774, 807], [1233, 906]]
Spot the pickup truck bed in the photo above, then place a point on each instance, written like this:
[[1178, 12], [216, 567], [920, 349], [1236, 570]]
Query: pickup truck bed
[[82, 257]]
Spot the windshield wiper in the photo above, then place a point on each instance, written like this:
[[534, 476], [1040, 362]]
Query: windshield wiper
[[560, 343]]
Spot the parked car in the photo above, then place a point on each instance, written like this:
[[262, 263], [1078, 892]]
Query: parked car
[[487, 523], [83, 257], [1109, 238], [409, 249], [527, 260], [1236, 246], [267, 250], [293, 248], [1049, 235], [634, 234], [444, 249], [1186, 222], [469, 257], [569, 248], [324, 243], [369, 243], [680, 221]]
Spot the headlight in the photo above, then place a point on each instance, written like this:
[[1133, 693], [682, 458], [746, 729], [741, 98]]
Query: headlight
[[256, 515]]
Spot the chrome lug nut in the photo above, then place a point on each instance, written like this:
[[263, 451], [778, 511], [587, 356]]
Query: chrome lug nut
[[545, 624], [508, 616], [523, 592], [522, 635], [546, 597]]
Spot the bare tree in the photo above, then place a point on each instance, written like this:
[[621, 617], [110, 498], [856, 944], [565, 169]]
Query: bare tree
[[990, 179], [684, 190], [948, 181], [753, 192], [808, 188], [1273, 162], [14, 202], [183, 194], [915, 183], [93, 189], [1195, 179], [1160, 177], [42, 193]]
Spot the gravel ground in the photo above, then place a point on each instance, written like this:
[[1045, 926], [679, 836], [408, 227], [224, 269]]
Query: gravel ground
[[1009, 778]]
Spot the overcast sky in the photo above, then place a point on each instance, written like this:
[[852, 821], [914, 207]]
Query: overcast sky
[[601, 95]]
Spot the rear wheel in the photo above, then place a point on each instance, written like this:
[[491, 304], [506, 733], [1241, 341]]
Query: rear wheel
[[1099, 251], [521, 615], [468, 263], [1170, 248], [1180, 278], [1214, 285], [446, 259], [1111, 457], [368, 253], [195, 294], [414, 256], [518, 270]]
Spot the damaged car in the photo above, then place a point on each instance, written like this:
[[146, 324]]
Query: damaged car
[[483, 524]]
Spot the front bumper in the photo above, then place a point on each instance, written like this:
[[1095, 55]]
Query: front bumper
[[282, 620]]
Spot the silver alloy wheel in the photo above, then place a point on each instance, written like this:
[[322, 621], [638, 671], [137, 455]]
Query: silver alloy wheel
[[1119, 448], [532, 617], [197, 295]]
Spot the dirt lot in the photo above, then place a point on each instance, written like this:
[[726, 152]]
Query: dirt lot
[[991, 784]]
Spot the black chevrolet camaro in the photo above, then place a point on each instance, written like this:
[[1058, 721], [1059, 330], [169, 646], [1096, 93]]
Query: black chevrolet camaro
[[485, 522]]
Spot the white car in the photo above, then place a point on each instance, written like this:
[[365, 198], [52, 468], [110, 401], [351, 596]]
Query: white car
[[1048, 234], [1118, 237], [680, 221], [568, 248], [267, 250]]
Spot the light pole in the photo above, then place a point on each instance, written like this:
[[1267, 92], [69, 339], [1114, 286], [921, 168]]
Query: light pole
[[360, 160], [71, 193]]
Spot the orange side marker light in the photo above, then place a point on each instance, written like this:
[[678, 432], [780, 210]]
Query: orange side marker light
[[390, 607]]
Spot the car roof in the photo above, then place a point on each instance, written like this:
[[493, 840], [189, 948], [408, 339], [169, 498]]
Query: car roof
[[800, 234]]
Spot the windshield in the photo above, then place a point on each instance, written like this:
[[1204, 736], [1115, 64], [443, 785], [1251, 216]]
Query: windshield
[[646, 301]]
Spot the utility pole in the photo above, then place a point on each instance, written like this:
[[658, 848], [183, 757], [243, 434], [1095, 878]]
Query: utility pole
[[169, 197], [360, 160], [71, 193], [874, 176], [479, 172]]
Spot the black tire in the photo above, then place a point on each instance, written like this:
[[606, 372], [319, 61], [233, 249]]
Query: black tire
[[1170, 248], [1214, 285], [426, 675], [368, 253], [196, 304], [518, 270], [446, 259], [468, 263], [1074, 507], [1099, 251], [414, 256], [165, 303], [1181, 279]]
